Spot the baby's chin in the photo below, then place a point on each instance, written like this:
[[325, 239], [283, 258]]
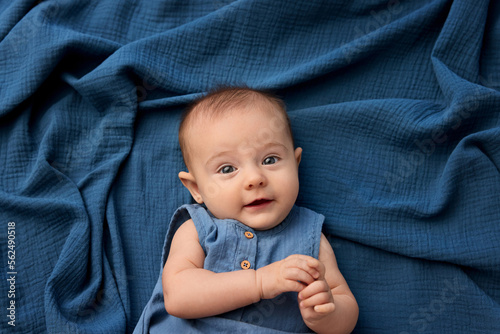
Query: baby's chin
[[259, 219], [262, 223]]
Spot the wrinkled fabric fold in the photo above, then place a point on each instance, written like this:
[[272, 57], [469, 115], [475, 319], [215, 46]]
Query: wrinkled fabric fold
[[395, 104]]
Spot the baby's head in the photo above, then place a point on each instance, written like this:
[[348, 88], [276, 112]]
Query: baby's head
[[238, 146]]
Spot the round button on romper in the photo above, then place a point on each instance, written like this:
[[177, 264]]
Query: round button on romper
[[245, 264]]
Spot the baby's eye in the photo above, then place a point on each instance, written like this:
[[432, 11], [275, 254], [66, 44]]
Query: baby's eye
[[226, 169], [270, 160]]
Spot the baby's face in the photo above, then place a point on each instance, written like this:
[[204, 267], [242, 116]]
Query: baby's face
[[245, 167]]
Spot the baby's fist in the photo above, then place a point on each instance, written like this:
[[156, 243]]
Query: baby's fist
[[293, 273], [316, 300]]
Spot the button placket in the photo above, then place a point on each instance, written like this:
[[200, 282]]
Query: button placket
[[247, 248]]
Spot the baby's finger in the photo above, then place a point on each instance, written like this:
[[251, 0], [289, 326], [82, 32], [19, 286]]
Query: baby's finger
[[297, 274], [324, 308], [314, 288], [302, 262], [317, 299], [318, 266], [293, 285]]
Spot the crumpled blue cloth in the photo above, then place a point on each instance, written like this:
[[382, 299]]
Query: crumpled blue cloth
[[396, 105]]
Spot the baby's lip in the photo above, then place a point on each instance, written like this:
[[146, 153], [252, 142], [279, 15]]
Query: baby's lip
[[259, 201]]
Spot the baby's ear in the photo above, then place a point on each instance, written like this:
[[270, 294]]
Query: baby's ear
[[298, 155], [189, 182]]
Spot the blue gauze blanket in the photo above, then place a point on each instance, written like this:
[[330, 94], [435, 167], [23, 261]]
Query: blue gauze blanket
[[396, 105]]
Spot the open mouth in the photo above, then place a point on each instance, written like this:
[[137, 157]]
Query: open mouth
[[258, 203]]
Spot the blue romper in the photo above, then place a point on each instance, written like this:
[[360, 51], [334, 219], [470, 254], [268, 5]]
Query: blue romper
[[230, 245]]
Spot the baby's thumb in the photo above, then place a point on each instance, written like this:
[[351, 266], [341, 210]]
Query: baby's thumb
[[316, 264]]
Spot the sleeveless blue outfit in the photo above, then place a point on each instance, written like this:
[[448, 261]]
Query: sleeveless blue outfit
[[230, 245]]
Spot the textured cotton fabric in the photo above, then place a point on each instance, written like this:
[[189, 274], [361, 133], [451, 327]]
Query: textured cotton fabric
[[396, 105], [227, 248]]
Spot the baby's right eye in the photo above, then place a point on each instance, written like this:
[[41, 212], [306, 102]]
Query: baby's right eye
[[226, 169]]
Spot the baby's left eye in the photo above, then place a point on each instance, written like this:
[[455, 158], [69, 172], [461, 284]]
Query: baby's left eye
[[270, 160]]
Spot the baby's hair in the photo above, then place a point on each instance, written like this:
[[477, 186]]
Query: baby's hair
[[223, 99]]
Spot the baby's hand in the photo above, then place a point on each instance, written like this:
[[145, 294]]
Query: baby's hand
[[316, 300], [291, 274]]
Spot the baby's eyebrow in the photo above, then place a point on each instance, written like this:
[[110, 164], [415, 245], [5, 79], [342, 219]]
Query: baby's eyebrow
[[275, 144], [216, 156]]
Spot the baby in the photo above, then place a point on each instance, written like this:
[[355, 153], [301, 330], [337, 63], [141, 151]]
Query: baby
[[238, 147]]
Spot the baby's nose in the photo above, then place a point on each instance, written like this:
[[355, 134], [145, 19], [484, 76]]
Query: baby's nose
[[254, 180]]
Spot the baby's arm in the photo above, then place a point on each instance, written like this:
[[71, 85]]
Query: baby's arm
[[328, 305], [193, 292]]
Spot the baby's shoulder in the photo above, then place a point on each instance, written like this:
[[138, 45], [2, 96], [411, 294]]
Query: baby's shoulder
[[186, 230]]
